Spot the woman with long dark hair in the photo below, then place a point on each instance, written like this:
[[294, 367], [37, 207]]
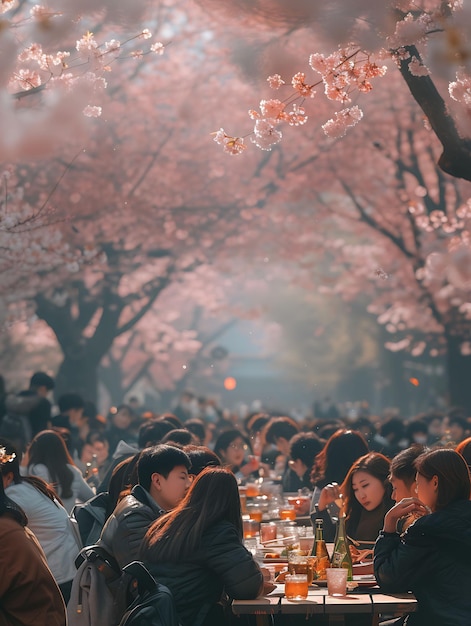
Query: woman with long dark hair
[[366, 493], [432, 557], [47, 518], [197, 550], [330, 468], [29, 595], [49, 459]]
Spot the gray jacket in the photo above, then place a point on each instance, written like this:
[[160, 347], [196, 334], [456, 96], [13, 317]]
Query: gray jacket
[[124, 530]]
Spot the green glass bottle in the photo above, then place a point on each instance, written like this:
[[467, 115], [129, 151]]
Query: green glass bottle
[[341, 556], [319, 550]]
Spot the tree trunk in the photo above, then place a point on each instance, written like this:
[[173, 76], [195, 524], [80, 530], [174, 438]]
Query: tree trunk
[[111, 377], [459, 374], [78, 374]]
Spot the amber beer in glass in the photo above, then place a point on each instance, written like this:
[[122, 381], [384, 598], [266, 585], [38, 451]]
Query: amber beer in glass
[[302, 564], [251, 528], [254, 512], [296, 587], [287, 512]]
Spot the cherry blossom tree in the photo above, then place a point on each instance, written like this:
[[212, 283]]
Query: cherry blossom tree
[[170, 348], [395, 234], [143, 211], [145, 203], [55, 70], [428, 41]]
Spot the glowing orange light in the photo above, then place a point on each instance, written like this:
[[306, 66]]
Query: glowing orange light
[[414, 381], [230, 383]]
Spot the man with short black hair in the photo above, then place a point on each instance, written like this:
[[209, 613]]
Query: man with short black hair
[[28, 412], [71, 406], [279, 432], [163, 481]]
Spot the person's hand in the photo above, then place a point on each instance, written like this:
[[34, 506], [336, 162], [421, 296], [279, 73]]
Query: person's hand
[[360, 555], [303, 507], [402, 509], [268, 587], [329, 494], [252, 465], [268, 584]]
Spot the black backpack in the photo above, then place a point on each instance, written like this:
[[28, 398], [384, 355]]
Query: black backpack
[[154, 604]]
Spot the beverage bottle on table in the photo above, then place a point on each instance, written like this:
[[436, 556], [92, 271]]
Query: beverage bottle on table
[[341, 556], [319, 550]]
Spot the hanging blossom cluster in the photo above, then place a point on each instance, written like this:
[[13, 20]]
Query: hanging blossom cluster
[[37, 68], [451, 264], [347, 70], [460, 89]]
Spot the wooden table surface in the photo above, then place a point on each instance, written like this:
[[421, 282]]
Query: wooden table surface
[[370, 601]]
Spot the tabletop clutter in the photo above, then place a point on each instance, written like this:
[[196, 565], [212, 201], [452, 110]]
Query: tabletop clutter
[[296, 555]]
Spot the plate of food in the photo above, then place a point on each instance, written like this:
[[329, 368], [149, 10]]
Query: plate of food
[[273, 557]]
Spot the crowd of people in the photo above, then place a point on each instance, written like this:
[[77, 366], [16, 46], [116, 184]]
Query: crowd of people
[[163, 489]]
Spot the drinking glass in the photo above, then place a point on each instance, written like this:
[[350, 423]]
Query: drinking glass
[[336, 581], [253, 489], [302, 564], [296, 587], [250, 527], [287, 512], [267, 532], [306, 539], [254, 512]]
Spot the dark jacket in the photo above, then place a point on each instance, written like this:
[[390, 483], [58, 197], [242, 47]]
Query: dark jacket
[[125, 528], [38, 410], [221, 563], [432, 559]]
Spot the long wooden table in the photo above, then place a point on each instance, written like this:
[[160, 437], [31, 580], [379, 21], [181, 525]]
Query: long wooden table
[[368, 601]]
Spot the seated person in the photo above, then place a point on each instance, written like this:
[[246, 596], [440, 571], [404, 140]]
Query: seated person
[[303, 449], [402, 478], [234, 450], [121, 427], [163, 480], [49, 459], [29, 595], [197, 550], [330, 467], [365, 495], [47, 519], [95, 451], [432, 557], [279, 432], [71, 406], [180, 436], [201, 457]]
